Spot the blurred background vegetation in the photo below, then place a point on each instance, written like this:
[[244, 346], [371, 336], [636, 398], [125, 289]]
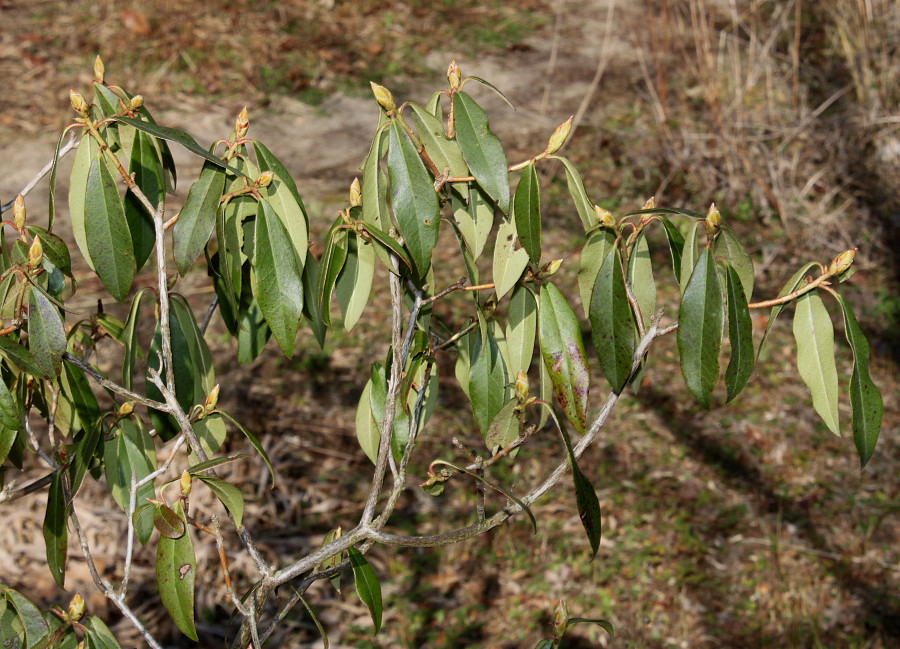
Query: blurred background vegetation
[[748, 526]]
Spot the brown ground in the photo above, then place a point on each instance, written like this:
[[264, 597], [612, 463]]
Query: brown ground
[[749, 526]]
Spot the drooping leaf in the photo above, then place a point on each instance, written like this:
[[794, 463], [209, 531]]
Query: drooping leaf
[[254, 442], [184, 373], [131, 450], [606, 625], [46, 334], [374, 183], [443, 152], [597, 245], [56, 534], [86, 152], [488, 84], [106, 230], [166, 521], [19, 355], [583, 204], [368, 432], [55, 248], [367, 586], [197, 469], [481, 149], [413, 199], [865, 399], [285, 202], [612, 322], [9, 410], [146, 167], [488, 379], [77, 390], [98, 634], [563, 352], [33, 623], [176, 568], [355, 281], [700, 326], [789, 287], [228, 494], [640, 278], [732, 252], [51, 207], [814, 333], [676, 245], [504, 428], [473, 213], [330, 266], [197, 218], [509, 262], [388, 246], [279, 278], [689, 255], [740, 334], [521, 330], [129, 334], [527, 212], [311, 306]]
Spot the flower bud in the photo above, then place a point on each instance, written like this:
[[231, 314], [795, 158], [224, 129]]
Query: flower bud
[[125, 409], [35, 253], [560, 618], [559, 136], [76, 604], [842, 262], [78, 103], [265, 179], [241, 124], [355, 193], [453, 75], [552, 267], [98, 69], [522, 386], [186, 484], [604, 217], [212, 399], [713, 218], [383, 96], [650, 204], [19, 212], [136, 102]]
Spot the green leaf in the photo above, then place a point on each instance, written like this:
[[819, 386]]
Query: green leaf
[[19, 355], [176, 568], [481, 149], [667, 210], [107, 232], [563, 352], [166, 521], [279, 278], [197, 218], [814, 333], [700, 326], [354, 284], [612, 322], [413, 199], [130, 340], [640, 278], [488, 379], [732, 252], [228, 494], [285, 200], [473, 213], [179, 137], [865, 399], [488, 84], [504, 428], [197, 469], [740, 334], [311, 306], [790, 286], [689, 255], [9, 409], [368, 433], [676, 245], [604, 624], [268, 162], [374, 183], [599, 242], [51, 207], [33, 623], [527, 212], [367, 586], [332, 262], [86, 152], [56, 534], [98, 634], [55, 249], [509, 262], [521, 330], [388, 246], [254, 442], [146, 167], [46, 334], [545, 644], [583, 204], [445, 153], [7, 439], [131, 450]]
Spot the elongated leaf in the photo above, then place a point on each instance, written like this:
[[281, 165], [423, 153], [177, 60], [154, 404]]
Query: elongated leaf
[[106, 230], [583, 204], [87, 151], [19, 355], [355, 281], [279, 278], [56, 534], [267, 161], [184, 373], [612, 322], [488, 84], [700, 325], [98, 634], [413, 199], [527, 212], [286, 203], [367, 586], [563, 352], [179, 137], [689, 256], [254, 442], [667, 210], [521, 330], [597, 245], [311, 306], [332, 262], [166, 521], [606, 625], [9, 410], [176, 568], [198, 216], [33, 623], [51, 207], [228, 494], [740, 334], [368, 433], [443, 152], [389, 246], [55, 248], [481, 149], [131, 450], [130, 337], [640, 278], [374, 183], [814, 333], [463, 364], [473, 213], [146, 167], [509, 261], [488, 379], [789, 287], [504, 428], [865, 399], [731, 251], [676, 245], [46, 334], [200, 467]]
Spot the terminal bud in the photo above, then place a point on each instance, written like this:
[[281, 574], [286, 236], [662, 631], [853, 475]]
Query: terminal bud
[[842, 262], [136, 102], [355, 193], [560, 618], [186, 483], [265, 179], [604, 217], [650, 203], [99, 70], [522, 386], [76, 605], [713, 218], [125, 409], [453, 75], [78, 103], [19, 212], [212, 399], [559, 137], [241, 124], [383, 96], [35, 253]]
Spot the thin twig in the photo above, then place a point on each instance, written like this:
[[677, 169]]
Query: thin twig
[[8, 494], [63, 150], [114, 387], [209, 314]]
